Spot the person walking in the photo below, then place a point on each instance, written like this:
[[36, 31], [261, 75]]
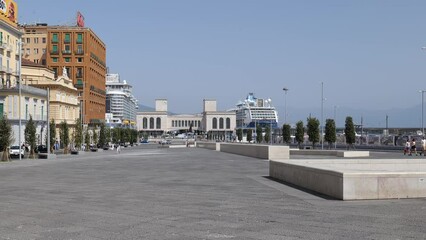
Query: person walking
[[413, 147], [118, 148], [407, 147], [423, 146]]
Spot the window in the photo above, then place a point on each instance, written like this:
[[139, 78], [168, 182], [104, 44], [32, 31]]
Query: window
[[79, 38], [55, 38], [43, 40], [28, 40], [80, 49], [67, 49], [36, 40], [79, 60], [55, 49], [35, 50], [28, 52], [79, 72], [67, 38], [145, 123], [158, 123], [43, 61], [221, 123], [151, 123], [67, 59], [214, 123], [228, 123], [55, 71], [43, 50], [55, 59]]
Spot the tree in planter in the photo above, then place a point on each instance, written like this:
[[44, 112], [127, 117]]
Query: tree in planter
[[349, 132], [330, 132], [52, 132], [102, 135], [286, 133], [87, 139], [259, 137], [78, 133], [134, 136], [313, 130], [249, 135], [300, 133], [95, 138], [240, 134], [30, 136], [64, 135], [6, 138], [267, 134]]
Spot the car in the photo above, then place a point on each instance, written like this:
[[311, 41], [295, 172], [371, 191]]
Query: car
[[41, 149], [14, 151], [165, 141], [145, 141]]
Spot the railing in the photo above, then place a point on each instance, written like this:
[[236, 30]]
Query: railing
[[79, 86], [79, 75], [79, 52], [67, 52], [54, 52]]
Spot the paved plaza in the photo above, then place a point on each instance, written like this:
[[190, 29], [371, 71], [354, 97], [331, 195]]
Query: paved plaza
[[184, 193]]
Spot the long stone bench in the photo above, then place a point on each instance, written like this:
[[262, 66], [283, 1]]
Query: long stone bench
[[250, 150], [336, 153], [352, 179]]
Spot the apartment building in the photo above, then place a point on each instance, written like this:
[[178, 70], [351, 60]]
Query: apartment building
[[78, 53]]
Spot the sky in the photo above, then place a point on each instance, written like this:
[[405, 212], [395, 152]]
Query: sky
[[366, 54]]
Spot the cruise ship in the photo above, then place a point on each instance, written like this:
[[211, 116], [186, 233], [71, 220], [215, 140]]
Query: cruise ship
[[252, 111]]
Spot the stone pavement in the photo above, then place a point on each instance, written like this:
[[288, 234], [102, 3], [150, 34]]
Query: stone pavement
[[187, 193]]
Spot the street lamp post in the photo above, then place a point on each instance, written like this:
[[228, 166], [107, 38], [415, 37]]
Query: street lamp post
[[322, 112], [423, 129], [335, 124], [20, 96], [285, 104]]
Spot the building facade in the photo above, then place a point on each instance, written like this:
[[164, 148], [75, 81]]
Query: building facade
[[63, 96], [76, 52], [18, 107], [211, 124], [121, 105]]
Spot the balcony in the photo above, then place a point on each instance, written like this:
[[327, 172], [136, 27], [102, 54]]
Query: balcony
[[55, 41], [79, 75], [79, 41], [54, 52], [2, 69], [9, 70], [67, 41], [66, 52], [79, 52], [78, 85]]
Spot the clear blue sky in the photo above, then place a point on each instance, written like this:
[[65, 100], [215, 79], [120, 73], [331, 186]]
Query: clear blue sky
[[367, 53]]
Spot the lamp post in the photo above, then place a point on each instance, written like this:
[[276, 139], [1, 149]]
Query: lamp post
[[322, 112], [20, 95], [285, 104], [423, 129], [335, 124]]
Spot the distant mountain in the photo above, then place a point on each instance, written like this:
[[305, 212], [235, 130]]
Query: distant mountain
[[144, 108]]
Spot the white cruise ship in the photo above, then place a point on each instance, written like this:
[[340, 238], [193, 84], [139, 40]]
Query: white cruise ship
[[252, 111]]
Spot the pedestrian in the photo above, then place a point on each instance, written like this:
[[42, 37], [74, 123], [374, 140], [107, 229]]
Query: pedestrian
[[413, 147], [407, 147], [118, 148], [423, 146]]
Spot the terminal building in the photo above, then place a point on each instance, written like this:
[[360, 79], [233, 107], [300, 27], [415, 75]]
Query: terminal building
[[210, 124]]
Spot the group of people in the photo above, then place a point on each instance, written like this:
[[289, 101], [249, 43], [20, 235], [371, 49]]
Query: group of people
[[411, 148]]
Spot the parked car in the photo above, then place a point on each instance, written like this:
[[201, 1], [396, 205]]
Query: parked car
[[41, 149], [14, 151], [145, 141], [165, 141]]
